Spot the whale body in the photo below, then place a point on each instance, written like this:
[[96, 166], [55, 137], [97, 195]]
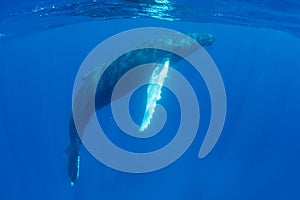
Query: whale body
[[108, 80]]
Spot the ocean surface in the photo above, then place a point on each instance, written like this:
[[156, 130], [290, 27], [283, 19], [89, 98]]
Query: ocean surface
[[256, 49]]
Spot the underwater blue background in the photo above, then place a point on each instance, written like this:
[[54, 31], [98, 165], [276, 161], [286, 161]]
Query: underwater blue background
[[256, 157]]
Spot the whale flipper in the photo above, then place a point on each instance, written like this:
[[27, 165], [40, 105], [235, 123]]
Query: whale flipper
[[73, 153]]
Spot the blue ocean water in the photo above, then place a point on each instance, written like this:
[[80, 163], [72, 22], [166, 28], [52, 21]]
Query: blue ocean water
[[256, 49]]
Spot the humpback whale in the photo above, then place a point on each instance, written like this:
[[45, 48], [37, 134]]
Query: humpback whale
[[108, 80]]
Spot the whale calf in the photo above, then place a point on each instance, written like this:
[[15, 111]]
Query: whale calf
[[108, 80]]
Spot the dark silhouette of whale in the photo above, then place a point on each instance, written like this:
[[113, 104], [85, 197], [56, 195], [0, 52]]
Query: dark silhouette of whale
[[109, 79]]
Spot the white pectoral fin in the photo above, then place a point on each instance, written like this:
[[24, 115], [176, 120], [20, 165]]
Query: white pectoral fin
[[155, 84]]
